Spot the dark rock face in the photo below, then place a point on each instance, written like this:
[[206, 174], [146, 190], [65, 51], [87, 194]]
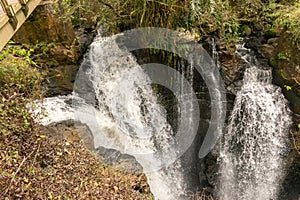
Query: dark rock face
[[55, 48], [291, 184], [285, 59], [44, 26], [59, 47]]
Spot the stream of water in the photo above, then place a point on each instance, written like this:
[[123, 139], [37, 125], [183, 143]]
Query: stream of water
[[256, 139], [122, 111]]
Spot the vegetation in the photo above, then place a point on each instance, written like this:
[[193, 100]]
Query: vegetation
[[289, 18], [124, 14], [281, 56], [19, 83], [223, 18]]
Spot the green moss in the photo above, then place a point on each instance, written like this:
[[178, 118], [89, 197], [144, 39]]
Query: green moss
[[281, 56], [271, 33], [274, 63]]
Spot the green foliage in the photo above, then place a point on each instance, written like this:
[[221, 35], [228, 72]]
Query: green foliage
[[17, 51], [281, 56], [223, 18], [126, 14], [289, 17], [19, 82], [250, 11], [79, 12], [44, 47], [215, 17], [118, 15]]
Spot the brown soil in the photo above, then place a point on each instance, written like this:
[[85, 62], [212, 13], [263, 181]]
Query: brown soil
[[46, 167]]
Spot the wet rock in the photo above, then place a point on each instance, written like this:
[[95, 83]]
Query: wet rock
[[229, 64], [119, 161], [291, 184], [85, 37], [61, 79], [255, 42], [212, 169], [221, 45], [268, 50]]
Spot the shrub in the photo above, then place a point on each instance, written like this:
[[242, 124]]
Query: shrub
[[19, 83], [289, 17]]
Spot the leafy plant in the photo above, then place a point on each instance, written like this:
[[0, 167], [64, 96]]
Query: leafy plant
[[281, 56], [44, 47], [19, 82], [215, 17], [287, 87]]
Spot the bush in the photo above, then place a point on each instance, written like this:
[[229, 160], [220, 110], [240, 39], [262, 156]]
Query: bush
[[19, 84]]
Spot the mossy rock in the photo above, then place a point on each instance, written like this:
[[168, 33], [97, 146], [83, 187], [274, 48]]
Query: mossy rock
[[271, 33], [286, 64]]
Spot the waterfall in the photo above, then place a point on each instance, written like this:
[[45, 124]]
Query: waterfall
[[215, 53], [255, 141], [122, 111], [113, 96]]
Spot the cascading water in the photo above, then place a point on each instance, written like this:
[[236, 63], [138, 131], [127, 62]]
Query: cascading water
[[116, 101], [215, 53], [121, 110], [255, 141]]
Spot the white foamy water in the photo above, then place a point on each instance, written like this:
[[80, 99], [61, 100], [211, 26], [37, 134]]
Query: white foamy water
[[256, 139], [113, 96]]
